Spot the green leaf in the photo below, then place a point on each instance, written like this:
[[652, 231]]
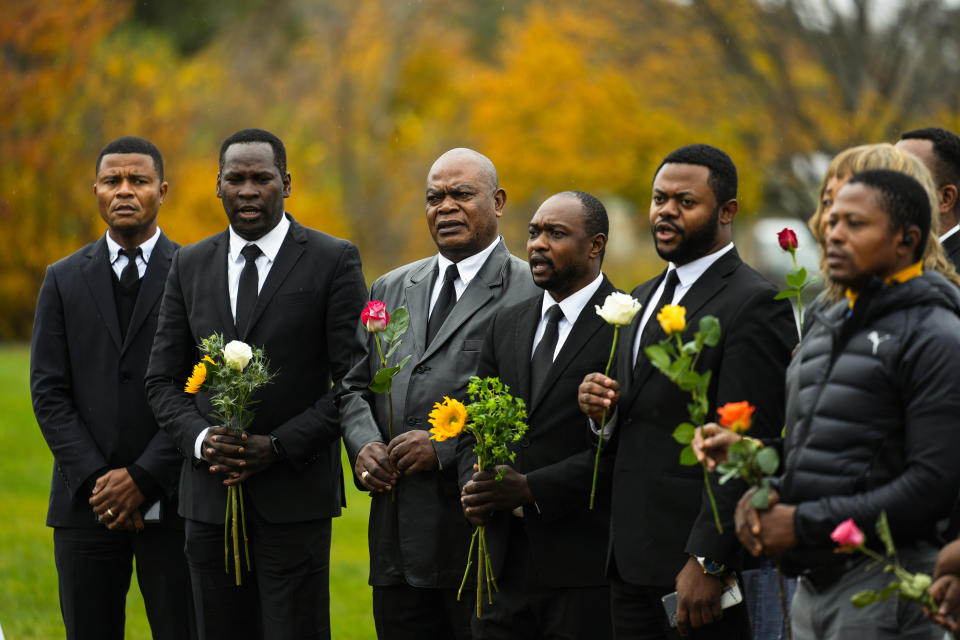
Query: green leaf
[[863, 599], [684, 433], [761, 498], [381, 381], [883, 530], [710, 327], [786, 293], [802, 272], [795, 278], [687, 457], [393, 349], [658, 357], [688, 380], [691, 348], [728, 472], [399, 322], [704, 384], [678, 366], [768, 460]]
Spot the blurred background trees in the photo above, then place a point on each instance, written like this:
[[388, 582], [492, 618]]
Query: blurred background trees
[[561, 94]]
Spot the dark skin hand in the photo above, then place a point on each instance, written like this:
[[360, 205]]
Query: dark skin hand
[[413, 452], [115, 490], [946, 587], [483, 494], [770, 532], [711, 443], [258, 455], [235, 454], [382, 474], [698, 598], [596, 393]]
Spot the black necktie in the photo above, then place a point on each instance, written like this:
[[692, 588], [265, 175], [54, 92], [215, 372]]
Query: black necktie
[[131, 273], [543, 355], [247, 290], [444, 303], [650, 329]]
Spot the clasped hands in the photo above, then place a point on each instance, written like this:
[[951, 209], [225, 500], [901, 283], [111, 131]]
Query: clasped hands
[[235, 454], [116, 501], [379, 466]]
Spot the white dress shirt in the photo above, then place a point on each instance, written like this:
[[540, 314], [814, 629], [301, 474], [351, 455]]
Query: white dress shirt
[[269, 244], [468, 268], [571, 306], [118, 262], [949, 232]]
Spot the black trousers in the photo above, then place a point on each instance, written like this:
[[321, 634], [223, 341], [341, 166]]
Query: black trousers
[[525, 609], [94, 566], [285, 597], [402, 612], [638, 613]]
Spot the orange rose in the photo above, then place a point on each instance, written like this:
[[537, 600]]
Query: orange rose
[[736, 416]]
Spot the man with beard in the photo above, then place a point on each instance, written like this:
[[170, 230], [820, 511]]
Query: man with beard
[[547, 547], [418, 536], [663, 536]]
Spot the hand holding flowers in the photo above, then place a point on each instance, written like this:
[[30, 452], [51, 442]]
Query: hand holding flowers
[[618, 310]]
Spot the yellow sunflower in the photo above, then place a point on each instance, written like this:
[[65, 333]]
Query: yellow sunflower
[[195, 381], [447, 419], [672, 318]]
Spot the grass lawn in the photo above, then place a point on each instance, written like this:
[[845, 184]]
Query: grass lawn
[[29, 607]]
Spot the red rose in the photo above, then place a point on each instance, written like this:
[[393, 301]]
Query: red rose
[[375, 316], [847, 535], [736, 416], [787, 239]]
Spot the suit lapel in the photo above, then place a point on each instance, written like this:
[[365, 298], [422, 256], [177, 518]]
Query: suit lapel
[[522, 348], [587, 324], [151, 286], [220, 294], [417, 300], [478, 293], [97, 274], [290, 251]]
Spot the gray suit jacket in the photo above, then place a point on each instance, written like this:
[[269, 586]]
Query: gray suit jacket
[[421, 538]]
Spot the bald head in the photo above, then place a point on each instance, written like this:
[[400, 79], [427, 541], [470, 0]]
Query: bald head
[[464, 203], [462, 156]]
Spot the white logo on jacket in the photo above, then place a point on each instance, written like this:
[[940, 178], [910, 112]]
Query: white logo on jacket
[[875, 338]]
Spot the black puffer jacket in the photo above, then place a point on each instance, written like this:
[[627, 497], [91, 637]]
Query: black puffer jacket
[[873, 417]]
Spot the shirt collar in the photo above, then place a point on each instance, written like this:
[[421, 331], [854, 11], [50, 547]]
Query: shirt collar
[[468, 267], [146, 247], [269, 242], [691, 272], [949, 232], [572, 305], [911, 272]]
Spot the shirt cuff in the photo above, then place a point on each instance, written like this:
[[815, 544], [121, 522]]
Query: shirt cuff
[[198, 445], [607, 428]]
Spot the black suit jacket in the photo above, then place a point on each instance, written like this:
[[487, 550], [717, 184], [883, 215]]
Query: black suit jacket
[[421, 537], [87, 384], [304, 319], [660, 512], [568, 542], [951, 247]]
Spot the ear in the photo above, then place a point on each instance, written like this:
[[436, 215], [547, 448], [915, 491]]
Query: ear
[[287, 185], [597, 244], [219, 193], [728, 210], [499, 199], [909, 241], [948, 198], [163, 191]]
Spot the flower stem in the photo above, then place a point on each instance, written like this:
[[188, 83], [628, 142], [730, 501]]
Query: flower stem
[[466, 571], [713, 503], [603, 421], [243, 527], [233, 525], [793, 254]]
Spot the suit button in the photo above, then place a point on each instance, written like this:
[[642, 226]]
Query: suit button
[[124, 378], [411, 421], [524, 442], [421, 369]]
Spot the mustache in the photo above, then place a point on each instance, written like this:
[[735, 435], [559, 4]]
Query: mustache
[[537, 258], [667, 223]]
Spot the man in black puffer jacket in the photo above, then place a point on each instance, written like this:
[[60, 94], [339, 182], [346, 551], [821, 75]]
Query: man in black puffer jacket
[[873, 417]]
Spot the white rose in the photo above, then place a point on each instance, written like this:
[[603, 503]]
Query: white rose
[[618, 309], [237, 354]]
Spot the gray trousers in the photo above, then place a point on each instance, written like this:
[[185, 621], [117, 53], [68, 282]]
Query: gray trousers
[[828, 614]]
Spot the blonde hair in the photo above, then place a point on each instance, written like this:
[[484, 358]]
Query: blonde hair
[[851, 161]]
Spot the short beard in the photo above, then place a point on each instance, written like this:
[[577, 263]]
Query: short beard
[[694, 243]]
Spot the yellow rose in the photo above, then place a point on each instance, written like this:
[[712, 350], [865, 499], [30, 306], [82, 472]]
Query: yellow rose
[[673, 318]]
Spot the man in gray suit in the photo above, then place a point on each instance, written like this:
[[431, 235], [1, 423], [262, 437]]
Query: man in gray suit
[[418, 536]]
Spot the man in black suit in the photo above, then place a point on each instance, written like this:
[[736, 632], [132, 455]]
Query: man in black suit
[[418, 536], [939, 150], [296, 292], [113, 493], [662, 532], [547, 547]]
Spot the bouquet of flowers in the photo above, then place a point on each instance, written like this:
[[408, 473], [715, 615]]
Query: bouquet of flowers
[[909, 587], [495, 419], [231, 373], [678, 360], [618, 310]]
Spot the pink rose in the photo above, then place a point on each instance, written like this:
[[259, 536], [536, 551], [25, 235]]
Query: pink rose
[[847, 535], [787, 239], [375, 316]]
